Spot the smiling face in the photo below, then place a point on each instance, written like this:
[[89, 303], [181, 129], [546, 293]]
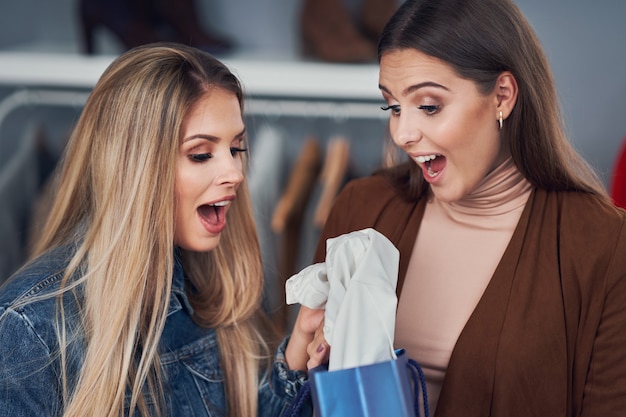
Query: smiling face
[[209, 169], [442, 121]]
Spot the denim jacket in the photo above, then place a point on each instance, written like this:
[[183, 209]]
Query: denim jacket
[[30, 384]]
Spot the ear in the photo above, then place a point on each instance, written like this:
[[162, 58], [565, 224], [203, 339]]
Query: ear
[[505, 93]]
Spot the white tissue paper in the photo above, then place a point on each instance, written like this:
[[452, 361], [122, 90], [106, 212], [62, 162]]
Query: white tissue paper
[[356, 286]]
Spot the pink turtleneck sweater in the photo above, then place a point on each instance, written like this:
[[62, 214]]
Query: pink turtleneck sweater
[[457, 250]]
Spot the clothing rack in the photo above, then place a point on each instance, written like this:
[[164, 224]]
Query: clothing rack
[[273, 89], [272, 108], [299, 102]]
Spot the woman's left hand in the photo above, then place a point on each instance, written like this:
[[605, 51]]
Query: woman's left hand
[[305, 331], [318, 349]]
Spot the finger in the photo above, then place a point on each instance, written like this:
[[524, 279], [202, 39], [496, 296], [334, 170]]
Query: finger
[[319, 357], [309, 319], [304, 332], [318, 350]]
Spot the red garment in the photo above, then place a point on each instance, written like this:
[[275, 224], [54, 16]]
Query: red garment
[[618, 180]]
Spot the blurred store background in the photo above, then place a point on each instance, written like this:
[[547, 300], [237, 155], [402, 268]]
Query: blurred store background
[[307, 66]]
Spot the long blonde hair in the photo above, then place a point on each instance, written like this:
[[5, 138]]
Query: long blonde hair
[[115, 200]]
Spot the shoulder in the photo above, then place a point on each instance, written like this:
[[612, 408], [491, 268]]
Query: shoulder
[[364, 185], [587, 213], [368, 202], [370, 196], [38, 277], [28, 301], [591, 232]]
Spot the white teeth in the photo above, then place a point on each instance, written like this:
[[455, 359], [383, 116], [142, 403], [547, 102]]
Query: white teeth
[[425, 158], [221, 203], [431, 173]]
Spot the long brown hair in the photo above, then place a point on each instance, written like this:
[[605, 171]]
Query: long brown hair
[[115, 201], [480, 39]]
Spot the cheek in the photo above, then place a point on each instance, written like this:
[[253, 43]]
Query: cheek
[[180, 186], [186, 194], [240, 163], [480, 151], [180, 208], [471, 131], [191, 181]]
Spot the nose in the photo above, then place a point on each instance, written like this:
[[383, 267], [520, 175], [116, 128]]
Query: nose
[[405, 130], [231, 171]]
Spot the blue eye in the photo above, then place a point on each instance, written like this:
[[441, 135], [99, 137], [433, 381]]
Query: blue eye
[[234, 150]]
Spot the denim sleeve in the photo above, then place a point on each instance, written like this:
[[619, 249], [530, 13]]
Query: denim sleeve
[[28, 382], [277, 393]]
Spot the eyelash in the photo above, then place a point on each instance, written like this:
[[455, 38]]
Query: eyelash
[[234, 150], [395, 109], [430, 110], [202, 157]]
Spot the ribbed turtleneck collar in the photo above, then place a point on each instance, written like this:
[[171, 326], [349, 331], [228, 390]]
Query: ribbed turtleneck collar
[[503, 190]]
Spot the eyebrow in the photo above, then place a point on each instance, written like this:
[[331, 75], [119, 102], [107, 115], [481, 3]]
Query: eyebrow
[[212, 138], [412, 88]]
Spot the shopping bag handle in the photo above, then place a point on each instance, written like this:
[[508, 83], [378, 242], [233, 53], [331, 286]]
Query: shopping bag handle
[[418, 376]]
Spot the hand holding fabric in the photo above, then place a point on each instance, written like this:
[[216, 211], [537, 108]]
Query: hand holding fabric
[[357, 287]]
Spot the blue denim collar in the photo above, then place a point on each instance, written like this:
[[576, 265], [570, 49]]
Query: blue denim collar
[[179, 299]]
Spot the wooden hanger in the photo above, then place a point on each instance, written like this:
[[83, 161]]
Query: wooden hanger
[[332, 177], [302, 179], [287, 219]]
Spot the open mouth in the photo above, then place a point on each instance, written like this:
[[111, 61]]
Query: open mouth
[[214, 214], [432, 165]]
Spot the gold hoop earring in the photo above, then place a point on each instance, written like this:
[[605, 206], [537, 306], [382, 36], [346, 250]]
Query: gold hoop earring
[[500, 120]]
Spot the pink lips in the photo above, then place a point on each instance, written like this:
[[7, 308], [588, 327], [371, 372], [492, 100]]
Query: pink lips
[[213, 216], [432, 165]]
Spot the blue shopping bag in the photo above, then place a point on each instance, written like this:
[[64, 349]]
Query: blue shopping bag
[[384, 389]]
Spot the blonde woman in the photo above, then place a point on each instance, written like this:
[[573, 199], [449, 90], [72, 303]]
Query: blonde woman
[[143, 295]]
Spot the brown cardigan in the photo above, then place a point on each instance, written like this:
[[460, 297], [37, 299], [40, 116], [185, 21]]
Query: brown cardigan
[[548, 337]]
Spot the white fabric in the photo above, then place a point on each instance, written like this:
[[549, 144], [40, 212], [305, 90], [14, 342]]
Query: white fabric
[[357, 287]]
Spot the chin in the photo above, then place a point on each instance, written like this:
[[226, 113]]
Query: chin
[[200, 244]]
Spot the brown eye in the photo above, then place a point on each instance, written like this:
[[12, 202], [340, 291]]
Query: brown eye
[[429, 109], [200, 157]]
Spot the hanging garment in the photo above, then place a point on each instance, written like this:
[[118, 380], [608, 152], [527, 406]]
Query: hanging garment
[[618, 179], [266, 171], [333, 176], [288, 214]]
